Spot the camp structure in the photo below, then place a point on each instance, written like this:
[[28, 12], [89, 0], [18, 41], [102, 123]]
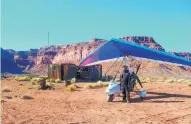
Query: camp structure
[[89, 73], [116, 48], [69, 71]]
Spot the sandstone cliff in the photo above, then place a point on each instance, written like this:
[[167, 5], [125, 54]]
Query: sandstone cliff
[[36, 61]]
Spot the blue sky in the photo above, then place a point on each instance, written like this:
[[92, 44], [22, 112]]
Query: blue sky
[[25, 23]]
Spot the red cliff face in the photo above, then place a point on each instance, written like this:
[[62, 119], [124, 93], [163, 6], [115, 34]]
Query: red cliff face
[[76, 52], [17, 61], [36, 61], [44, 57], [47, 54], [144, 41], [182, 54]]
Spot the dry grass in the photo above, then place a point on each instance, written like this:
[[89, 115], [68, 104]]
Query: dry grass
[[24, 78], [35, 80], [51, 80], [71, 87], [8, 97], [145, 80], [6, 90], [97, 85], [73, 80], [58, 81], [32, 75], [27, 97], [165, 80]]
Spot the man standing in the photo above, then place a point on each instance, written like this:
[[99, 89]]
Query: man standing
[[124, 79]]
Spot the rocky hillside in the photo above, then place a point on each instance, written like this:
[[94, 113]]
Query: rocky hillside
[[76, 52], [186, 55], [144, 41], [37, 60], [45, 56], [17, 61]]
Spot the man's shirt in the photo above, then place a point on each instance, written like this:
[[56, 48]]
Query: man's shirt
[[124, 77]]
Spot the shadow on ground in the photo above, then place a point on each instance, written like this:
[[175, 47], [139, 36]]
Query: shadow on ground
[[155, 97]]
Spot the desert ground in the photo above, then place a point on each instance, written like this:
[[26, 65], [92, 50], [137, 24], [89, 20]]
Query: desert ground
[[22, 103]]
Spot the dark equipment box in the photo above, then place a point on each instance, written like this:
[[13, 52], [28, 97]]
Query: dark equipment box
[[69, 71], [62, 72], [89, 73]]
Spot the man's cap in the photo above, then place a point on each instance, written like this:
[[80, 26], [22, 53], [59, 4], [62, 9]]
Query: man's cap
[[125, 66]]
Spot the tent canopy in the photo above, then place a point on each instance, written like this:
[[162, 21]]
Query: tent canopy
[[116, 48]]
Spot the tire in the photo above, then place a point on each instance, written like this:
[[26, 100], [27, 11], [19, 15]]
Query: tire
[[110, 98]]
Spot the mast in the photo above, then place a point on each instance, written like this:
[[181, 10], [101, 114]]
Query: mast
[[48, 39]]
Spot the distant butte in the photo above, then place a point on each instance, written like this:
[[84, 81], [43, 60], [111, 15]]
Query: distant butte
[[37, 60]]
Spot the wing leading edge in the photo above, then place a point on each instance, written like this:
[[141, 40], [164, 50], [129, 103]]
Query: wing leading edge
[[117, 48]]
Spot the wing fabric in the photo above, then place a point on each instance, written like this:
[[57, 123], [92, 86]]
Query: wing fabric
[[118, 48]]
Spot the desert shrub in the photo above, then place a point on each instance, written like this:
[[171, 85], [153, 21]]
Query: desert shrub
[[94, 86], [44, 77], [107, 77], [110, 77], [6, 90], [105, 84], [45, 84], [97, 85], [71, 87], [99, 82], [145, 80], [50, 84], [50, 80], [117, 80], [8, 97], [27, 97], [47, 80], [32, 75], [24, 78], [180, 80], [73, 80], [58, 81], [36, 80]]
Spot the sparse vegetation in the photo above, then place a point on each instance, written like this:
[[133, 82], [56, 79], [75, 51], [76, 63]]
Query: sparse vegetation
[[97, 85], [27, 97], [50, 85], [73, 80], [6, 90], [44, 77], [35, 80], [105, 84], [144, 80], [51, 80], [117, 80], [58, 81], [44, 85], [23, 78], [8, 97], [32, 75], [71, 87], [107, 77]]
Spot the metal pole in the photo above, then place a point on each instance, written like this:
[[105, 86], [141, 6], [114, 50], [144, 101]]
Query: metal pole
[[48, 39]]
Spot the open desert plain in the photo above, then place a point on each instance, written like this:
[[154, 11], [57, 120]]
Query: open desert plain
[[23, 103]]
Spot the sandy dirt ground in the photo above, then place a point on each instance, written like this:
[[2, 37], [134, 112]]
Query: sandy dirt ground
[[168, 103]]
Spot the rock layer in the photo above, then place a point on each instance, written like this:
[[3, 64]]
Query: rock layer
[[36, 61]]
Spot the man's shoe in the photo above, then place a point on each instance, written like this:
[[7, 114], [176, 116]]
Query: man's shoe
[[124, 100], [129, 101]]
